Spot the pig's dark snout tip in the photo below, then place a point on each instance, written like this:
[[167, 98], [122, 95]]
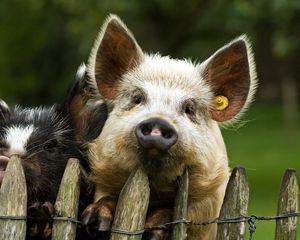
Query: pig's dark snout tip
[[3, 162], [156, 133]]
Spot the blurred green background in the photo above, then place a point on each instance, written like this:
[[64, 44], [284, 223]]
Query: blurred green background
[[43, 42]]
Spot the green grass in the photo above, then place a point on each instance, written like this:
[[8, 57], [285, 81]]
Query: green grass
[[266, 148]]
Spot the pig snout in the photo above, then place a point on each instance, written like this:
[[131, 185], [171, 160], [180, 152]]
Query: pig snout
[[156, 134], [3, 164]]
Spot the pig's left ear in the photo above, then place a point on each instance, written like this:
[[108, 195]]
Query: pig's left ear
[[88, 113], [114, 54], [231, 74]]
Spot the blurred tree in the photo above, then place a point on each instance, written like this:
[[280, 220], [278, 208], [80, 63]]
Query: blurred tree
[[43, 42]]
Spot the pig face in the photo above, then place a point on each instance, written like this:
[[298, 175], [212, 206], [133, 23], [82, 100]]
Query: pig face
[[165, 112], [39, 136]]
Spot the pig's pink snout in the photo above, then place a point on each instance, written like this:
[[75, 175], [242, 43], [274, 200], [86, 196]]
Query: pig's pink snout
[[156, 133]]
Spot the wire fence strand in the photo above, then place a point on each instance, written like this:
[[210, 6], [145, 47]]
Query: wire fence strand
[[251, 220]]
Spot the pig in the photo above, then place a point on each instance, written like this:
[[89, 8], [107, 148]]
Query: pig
[[45, 138], [165, 115]]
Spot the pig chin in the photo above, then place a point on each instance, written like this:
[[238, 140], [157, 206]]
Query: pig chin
[[153, 159]]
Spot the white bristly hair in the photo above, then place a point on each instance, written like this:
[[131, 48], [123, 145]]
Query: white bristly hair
[[17, 137]]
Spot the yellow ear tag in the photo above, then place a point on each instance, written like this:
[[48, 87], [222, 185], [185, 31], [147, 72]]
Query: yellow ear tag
[[221, 102]]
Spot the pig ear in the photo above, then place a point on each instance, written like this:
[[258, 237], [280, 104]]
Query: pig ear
[[231, 74], [115, 53], [88, 114], [91, 120], [4, 110]]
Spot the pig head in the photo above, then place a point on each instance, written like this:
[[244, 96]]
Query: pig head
[[165, 115]]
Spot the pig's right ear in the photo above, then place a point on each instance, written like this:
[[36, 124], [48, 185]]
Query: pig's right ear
[[231, 74], [115, 53], [4, 111], [88, 113]]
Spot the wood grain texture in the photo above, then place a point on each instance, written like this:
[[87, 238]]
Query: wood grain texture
[[286, 229], [132, 206], [235, 204], [13, 201], [67, 201], [179, 231]]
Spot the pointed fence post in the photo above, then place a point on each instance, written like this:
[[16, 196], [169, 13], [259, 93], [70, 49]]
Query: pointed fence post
[[13, 201], [132, 206], [286, 228], [235, 204], [180, 207], [67, 201]]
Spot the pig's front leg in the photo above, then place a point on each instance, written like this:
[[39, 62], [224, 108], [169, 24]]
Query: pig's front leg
[[98, 216], [157, 218]]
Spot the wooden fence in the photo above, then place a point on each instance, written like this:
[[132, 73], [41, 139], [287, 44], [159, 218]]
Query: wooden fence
[[133, 203]]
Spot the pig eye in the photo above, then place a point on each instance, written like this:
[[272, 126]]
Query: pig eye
[[189, 108], [137, 99], [49, 146]]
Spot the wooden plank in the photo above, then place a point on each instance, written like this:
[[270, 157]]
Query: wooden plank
[[13, 201], [67, 201], [180, 207], [235, 204], [286, 229], [132, 206]]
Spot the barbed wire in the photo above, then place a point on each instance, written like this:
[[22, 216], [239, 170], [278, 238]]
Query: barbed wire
[[251, 220]]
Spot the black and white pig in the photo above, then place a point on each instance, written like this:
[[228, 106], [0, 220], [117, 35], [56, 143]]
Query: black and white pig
[[45, 138], [165, 116]]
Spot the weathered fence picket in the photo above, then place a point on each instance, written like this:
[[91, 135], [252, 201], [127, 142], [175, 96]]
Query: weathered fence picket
[[235, 204], [132, 206], [180, 207], [13, 201], [66, 204], [287, 203]]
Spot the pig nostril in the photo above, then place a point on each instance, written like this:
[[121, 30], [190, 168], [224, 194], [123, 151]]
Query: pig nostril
[[145, 129], [167, 134]]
